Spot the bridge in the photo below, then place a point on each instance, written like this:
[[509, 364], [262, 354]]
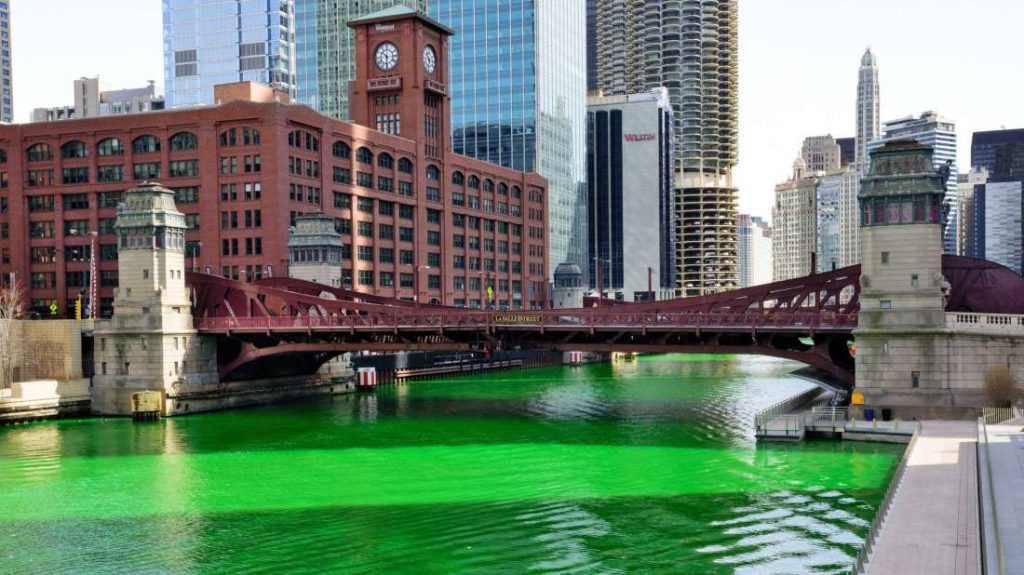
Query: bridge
[[284, 325]]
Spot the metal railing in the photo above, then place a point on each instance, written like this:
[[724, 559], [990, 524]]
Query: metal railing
[[997, 415], [883, 510], [773, 412], [827, 415], [991, 542]]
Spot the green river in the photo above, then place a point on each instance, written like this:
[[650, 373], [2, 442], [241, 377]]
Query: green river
[[639, 467]]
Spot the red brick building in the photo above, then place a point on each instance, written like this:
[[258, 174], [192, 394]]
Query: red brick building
[[244, 169]]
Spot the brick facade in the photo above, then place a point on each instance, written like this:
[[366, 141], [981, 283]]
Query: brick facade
[[243, 170]]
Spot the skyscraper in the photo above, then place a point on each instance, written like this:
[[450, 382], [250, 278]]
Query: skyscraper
[[940, 134], [519, 99], [997, 225], [755, 251], [794, 219], [7, 109], [326, 50], [629, 186], [690, 47], [868, 108], [210, 42], [821, 154]]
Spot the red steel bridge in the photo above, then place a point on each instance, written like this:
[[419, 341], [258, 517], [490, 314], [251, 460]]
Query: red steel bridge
[[285, 325]]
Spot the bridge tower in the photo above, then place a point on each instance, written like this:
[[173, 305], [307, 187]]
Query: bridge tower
[[150, 343], [314, 249], [900, 360]]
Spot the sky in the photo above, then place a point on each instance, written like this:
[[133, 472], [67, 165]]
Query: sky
[[798, 67]]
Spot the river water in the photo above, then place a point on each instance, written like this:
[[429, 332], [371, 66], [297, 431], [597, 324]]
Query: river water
[[641, 467]]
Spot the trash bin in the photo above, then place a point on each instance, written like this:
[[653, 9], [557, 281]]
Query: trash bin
[[886, 414], [869, 414]]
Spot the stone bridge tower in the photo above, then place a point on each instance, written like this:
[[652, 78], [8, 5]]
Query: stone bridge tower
[[901, 336], [150, 343]]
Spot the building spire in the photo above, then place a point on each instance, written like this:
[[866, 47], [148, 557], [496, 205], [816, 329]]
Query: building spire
[[869, 126]]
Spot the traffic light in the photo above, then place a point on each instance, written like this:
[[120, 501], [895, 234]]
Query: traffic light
[[78, 308]]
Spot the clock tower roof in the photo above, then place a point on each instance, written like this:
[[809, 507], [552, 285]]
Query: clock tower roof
[[395, 13]]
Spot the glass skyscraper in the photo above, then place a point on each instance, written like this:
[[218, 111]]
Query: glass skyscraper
[[210, 42], [518, 84], [326, 49]]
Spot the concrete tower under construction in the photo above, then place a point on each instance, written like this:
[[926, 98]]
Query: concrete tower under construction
[[690, 48]]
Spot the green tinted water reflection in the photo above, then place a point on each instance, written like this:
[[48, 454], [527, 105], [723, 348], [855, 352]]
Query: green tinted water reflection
[[645, 467]]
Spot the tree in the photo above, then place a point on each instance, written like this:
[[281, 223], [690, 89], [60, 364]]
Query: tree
[[10, 309], [1001, 386]]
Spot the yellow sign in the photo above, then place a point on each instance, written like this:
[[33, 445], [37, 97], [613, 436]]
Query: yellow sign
[[857, 398], [515, 318]]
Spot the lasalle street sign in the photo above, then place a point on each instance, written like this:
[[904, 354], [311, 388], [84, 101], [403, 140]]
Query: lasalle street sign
[[640, 137]]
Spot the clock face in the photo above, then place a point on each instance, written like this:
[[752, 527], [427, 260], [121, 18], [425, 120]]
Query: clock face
[[429, 60], [386, 56]]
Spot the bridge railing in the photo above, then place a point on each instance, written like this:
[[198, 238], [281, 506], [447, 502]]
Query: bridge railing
[[607, 317], [985, 322], [763, 418]]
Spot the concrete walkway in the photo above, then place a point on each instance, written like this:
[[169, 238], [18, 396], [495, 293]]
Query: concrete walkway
[[1006, 452], [932, 528]]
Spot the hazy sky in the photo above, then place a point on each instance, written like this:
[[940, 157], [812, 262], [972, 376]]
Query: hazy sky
[[798, 66]]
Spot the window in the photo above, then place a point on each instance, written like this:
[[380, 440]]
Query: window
[[365, 229], [252, 191], [364, 155], [107, 226], [39, 153], [146, 171], [108, 199], [145, 145], [516, 193], [474, 182], [364, 180], [885, 258], [406, 280], [405, 211], [405, 165], [184, 141], [365, 205], [342, 200], [365, 253], [433, 173], [40, 204], [913, 280], [250, 137], [385, 184], [384, 160], [76, 201], [386, 255], [488, 186], [341, 150], [78, 228], [252, 165], [502, 189], [365, 277], [458, 178], [386, 231], [343, 226], [183, 168], [189, 195], [433, 216], [192, 221], [110, 173], [229, 165], [110, 147], [385, 208], [885, 304], [405, 257], [75, 175], [74, 149], [229, 138], [915, 379], [40, 229], [405, 234], [342, 175], [404, 188], [433, 194], [433, 238]]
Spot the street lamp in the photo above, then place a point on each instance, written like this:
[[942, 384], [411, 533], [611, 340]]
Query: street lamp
[[650, 285], [600, 274], [196, 247]]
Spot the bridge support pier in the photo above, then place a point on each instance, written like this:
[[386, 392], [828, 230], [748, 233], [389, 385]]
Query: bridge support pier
[[150, 343]]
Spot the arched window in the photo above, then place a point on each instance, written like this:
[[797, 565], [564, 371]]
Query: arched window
[[184, 141], [384, 160], [516, 192], [364, 155], [110, 147], [458, 178], [341, 150], [250, 137], [3, 156], [39, 153], [474, 182], [488, 186], [229, 138], [405, 165], [312, 142], [74, 149], [145, 145], [503, 189], [433, 173]]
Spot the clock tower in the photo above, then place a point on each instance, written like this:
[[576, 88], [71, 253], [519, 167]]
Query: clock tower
[[401, 84]]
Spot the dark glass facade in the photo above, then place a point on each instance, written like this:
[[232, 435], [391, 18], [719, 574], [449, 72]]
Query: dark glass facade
[[1001, 152]]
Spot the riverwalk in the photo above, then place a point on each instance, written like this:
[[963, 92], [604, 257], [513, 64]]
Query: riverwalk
[[1005, 516], [932, 527]]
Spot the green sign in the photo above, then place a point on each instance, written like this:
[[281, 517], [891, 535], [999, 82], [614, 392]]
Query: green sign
[[53, 308], [490, 292]]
